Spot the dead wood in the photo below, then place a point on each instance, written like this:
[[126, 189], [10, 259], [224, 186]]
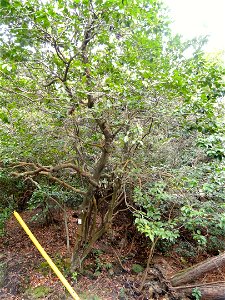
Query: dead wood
[[192, 273], [209, 291]]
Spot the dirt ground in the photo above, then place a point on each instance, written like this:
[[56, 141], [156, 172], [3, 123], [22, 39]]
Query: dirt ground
[[109, 271]]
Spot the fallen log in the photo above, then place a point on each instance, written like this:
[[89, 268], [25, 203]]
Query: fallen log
[[209, 291], [191, 273]]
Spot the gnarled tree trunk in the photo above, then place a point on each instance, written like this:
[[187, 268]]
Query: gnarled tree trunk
[[89, 231]]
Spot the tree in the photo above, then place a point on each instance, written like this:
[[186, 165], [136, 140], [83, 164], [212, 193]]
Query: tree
[[86, 88]]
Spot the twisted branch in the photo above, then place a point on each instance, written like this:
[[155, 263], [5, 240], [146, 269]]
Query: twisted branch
[[48, 171]]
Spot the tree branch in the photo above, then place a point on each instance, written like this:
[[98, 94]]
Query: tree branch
[[43, 170], [51, 82], [77, 169], [63, 183], [28, 173]]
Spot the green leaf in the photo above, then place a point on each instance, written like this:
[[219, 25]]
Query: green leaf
[[4, 117], [5, 3]]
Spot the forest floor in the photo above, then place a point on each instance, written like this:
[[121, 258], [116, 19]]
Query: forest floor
[[113, 270]]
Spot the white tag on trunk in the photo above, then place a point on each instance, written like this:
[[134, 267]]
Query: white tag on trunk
[[79, 221]]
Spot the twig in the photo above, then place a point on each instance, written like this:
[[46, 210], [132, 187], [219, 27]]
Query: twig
[[148, 263], [119, 260]]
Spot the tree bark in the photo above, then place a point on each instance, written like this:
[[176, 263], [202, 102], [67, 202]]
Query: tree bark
[[209, 291], [190, 274]]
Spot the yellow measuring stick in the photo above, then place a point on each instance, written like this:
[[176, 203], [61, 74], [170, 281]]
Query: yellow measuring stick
[[46, 257]]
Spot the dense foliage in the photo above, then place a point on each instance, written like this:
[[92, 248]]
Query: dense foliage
[[99, 98]]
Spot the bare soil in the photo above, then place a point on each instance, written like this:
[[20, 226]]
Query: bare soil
[[108, 273]]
